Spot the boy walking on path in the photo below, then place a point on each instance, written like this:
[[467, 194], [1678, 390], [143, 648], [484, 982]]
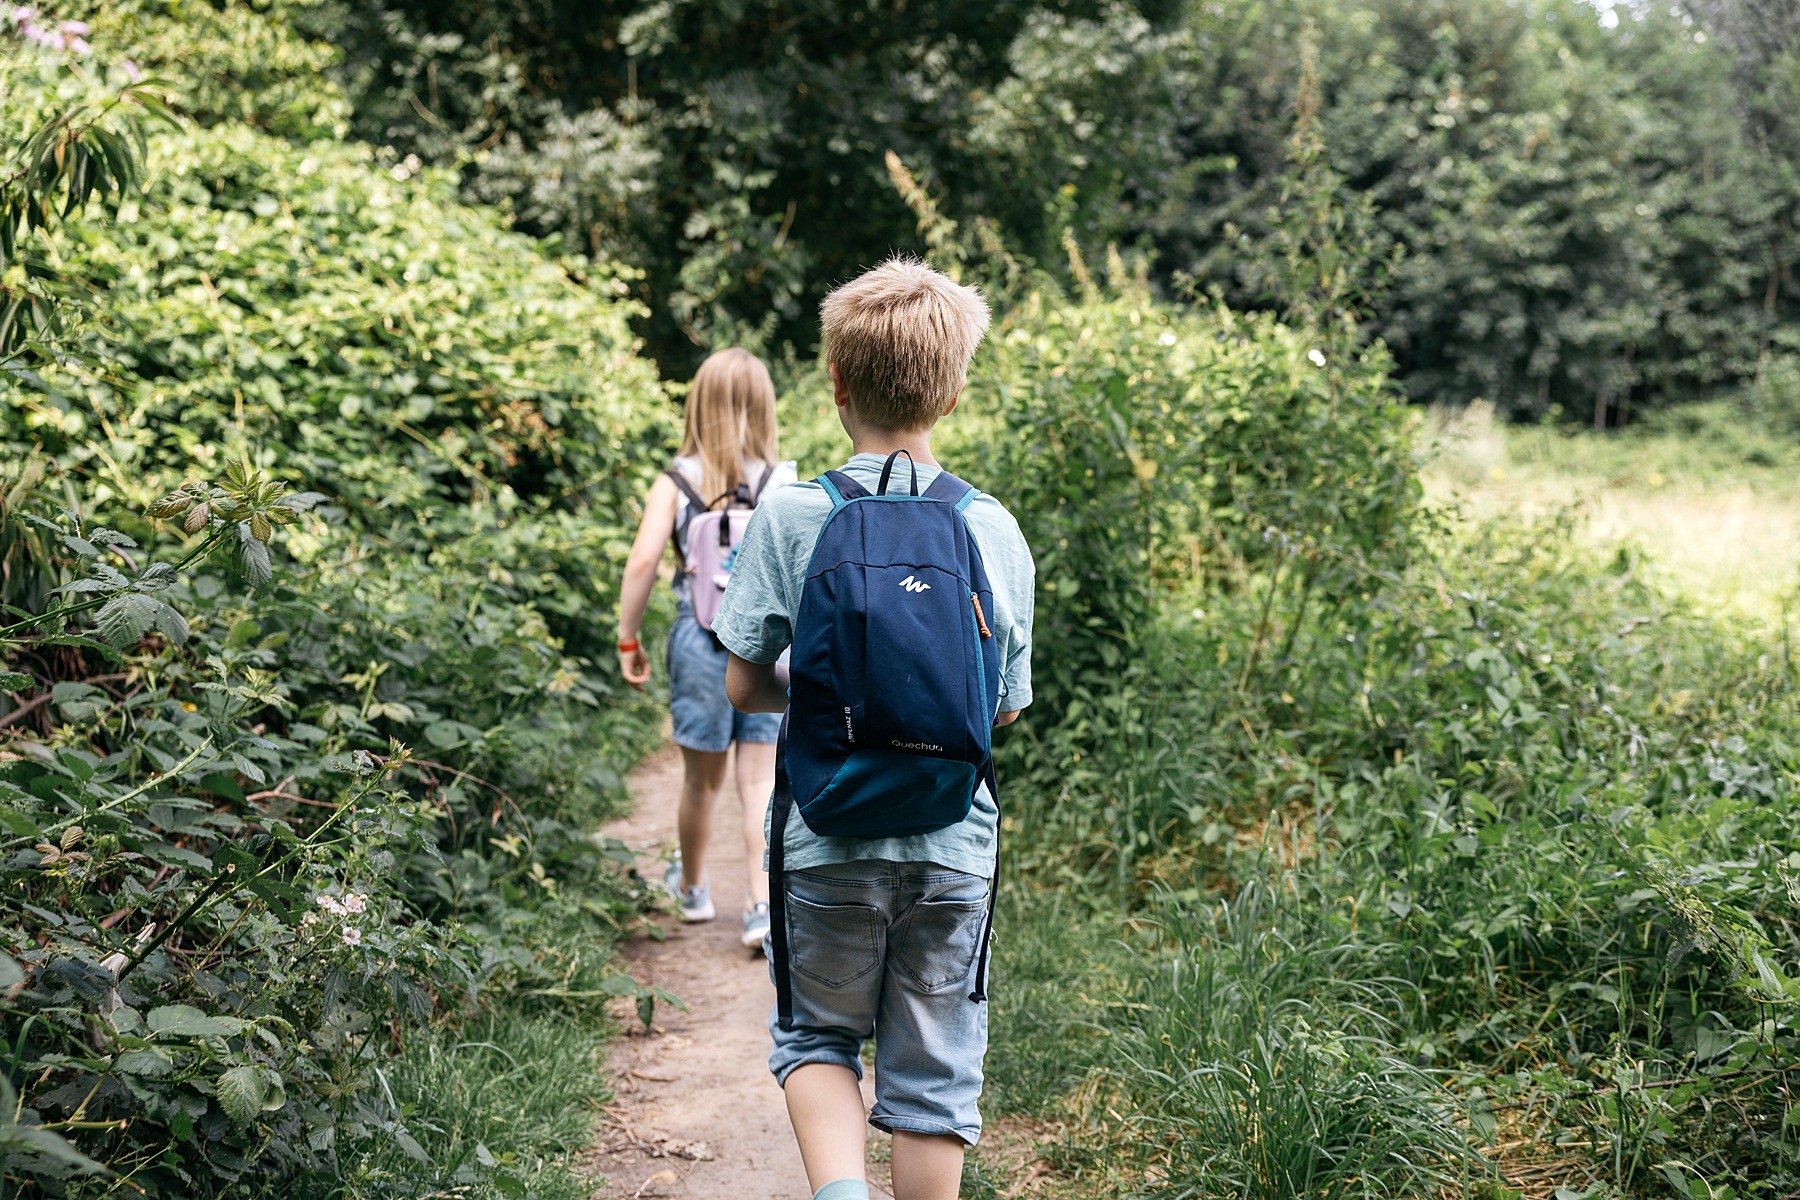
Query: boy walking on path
[[883, 878]]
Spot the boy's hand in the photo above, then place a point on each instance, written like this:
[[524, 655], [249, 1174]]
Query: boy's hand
[[634, 664], [1007, 718]]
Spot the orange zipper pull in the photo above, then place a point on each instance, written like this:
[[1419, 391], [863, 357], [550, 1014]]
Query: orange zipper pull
[[980, 617]]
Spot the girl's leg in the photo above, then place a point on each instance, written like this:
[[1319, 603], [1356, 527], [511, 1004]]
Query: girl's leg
[[703, 779], [755, 780]]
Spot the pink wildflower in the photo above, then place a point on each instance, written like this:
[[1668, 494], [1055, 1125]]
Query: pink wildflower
[[131, 70], [352, 935], [355, 902], [330, 905]]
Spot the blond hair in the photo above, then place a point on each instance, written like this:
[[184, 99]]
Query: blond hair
[[730, 419], [901, 337]]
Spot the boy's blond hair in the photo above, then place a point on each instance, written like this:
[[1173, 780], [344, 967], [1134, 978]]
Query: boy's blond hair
[[901, 337]]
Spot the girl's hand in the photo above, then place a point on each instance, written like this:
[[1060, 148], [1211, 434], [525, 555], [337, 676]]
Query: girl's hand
[[634, 664]]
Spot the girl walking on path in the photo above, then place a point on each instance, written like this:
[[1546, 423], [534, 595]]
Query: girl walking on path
[[728, 461]]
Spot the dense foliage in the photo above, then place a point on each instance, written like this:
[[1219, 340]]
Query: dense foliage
[[1589, 217], [1434, 826], [233, 896], [1360, 851]]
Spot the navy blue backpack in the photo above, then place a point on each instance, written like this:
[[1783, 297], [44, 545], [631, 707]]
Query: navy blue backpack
[[895, 679]]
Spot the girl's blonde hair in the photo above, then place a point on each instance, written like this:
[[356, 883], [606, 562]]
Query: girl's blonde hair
[[730, 419]]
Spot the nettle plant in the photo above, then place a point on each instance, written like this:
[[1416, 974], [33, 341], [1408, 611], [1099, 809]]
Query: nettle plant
[[202, 945]]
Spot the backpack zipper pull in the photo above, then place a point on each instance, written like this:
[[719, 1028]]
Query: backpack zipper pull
[[980, 617]]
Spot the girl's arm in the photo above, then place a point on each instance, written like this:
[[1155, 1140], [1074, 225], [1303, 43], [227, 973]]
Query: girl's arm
[[654, 531]]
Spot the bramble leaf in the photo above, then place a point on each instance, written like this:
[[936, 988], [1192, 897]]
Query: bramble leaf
[[184, 1020], [241, 1095]]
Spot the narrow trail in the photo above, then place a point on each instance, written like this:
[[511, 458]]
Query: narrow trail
[[696, 1115]]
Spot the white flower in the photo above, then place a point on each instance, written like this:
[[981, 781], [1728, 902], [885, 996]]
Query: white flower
[[352, 935], [1167, 339], [330, 905], [1317, 356], [355, 902], [310, 919]]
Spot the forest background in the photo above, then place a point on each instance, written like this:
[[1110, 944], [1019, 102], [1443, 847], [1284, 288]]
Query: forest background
[[1360, 843]]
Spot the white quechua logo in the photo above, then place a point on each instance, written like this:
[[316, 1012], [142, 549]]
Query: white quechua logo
[[913, 583]]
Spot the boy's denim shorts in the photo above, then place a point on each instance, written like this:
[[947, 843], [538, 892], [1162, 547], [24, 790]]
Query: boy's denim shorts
[[887, 949], [703, 717]]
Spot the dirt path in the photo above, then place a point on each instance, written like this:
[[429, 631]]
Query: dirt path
[[697, 1114]]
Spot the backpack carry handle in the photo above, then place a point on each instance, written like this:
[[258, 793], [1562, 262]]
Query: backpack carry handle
[[887, 469]]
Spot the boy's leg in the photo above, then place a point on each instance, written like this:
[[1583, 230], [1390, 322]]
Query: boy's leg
[[755, 780], [932, 1037], [927, 1166], [837, 920], [703, 778], [825, 1105]]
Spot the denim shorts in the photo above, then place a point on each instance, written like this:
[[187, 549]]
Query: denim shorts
[[703, 717], [887, 949]]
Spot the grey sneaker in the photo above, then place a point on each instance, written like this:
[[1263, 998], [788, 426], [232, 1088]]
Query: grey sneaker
[[696, 902], [756, 925]]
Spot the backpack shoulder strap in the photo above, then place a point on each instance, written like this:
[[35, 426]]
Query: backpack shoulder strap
[[757, 491], [841, 488], [687, 489], [951, 490]]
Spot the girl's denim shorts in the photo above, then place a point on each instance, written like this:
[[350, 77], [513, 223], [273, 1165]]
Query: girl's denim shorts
[[702, 716]]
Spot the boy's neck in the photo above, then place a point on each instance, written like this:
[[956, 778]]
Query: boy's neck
[[916, 442]]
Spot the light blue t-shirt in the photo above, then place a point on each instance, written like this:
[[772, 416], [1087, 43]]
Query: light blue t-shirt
[[756, 623]]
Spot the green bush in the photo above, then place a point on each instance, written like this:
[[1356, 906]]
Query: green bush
[[234, 897], [1156, 456]]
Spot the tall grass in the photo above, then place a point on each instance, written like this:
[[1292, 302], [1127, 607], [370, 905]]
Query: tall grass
[[496, 1108], [1274, 1061], [1517, 841]]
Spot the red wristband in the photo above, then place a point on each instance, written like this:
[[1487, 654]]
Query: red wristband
[[630, 647]]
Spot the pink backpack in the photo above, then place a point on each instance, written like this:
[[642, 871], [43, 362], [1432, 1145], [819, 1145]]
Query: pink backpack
[[707, 536]]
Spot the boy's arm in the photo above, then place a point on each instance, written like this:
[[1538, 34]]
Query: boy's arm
[[1007, 718], [756, 687]]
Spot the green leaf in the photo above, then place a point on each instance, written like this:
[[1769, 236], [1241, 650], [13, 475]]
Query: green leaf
[[15, 821], [241, 1094], [33, 1140], [11, 973], [443, 734], [122, 620], [619, 985], [410, 1146], [15, 681], [253, 557], [151, 1063], [221, 784], [184, 1020]]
